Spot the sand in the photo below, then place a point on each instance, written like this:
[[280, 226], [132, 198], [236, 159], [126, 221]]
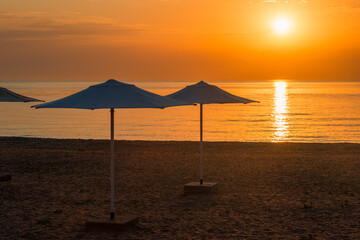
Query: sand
[[266, 190]]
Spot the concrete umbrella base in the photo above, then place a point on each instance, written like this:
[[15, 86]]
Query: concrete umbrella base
[[197, 188], [5, 178], [118, 224]]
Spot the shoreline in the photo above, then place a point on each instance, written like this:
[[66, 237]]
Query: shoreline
[[266, 191], [171, 141]]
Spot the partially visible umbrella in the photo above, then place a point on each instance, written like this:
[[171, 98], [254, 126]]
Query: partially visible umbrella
[[204, 93], [8, 96], [113, 94]]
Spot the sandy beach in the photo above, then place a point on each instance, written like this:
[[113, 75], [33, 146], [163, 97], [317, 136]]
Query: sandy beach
[[266, 190]]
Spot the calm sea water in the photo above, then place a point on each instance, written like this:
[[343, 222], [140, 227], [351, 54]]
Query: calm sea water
[[288, 111]]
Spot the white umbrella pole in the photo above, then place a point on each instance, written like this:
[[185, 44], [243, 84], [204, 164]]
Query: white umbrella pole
[[201, 144], [112, 170]]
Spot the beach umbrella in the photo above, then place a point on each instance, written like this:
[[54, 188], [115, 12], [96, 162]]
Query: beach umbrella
[[8, 96], [204, 93], [112, 94]]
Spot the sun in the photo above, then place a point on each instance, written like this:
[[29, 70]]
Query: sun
[[281, 25]]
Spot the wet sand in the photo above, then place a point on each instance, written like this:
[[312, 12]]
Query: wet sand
[[266, 191]]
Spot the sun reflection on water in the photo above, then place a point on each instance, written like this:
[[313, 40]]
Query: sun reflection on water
[[280, 110]]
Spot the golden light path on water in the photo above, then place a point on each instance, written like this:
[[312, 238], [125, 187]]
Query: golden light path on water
[[280, 110]]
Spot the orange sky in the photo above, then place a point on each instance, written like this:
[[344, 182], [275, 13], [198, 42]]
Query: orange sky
[[178, 40]]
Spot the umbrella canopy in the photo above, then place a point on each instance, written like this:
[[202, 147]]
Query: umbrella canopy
[[8, 96], [113, 94], [204, 93]]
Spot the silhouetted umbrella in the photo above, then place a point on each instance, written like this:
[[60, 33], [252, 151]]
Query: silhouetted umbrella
[[113, 94], [204, 93], [8, 96]]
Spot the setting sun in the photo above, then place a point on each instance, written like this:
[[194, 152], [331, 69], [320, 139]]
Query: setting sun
[[281, 25]]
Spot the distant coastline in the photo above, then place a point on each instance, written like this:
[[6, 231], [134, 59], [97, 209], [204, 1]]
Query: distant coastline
[[190, 80]]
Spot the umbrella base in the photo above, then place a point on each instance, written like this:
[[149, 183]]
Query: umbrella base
[[197, 188], [5, 178], [118, 224]]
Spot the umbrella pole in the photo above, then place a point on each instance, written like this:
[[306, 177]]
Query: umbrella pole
[[112, 170], [201, 144]]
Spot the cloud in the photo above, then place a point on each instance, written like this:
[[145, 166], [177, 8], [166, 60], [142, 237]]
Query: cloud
[[324, 3], [40, 26], [285, 1]]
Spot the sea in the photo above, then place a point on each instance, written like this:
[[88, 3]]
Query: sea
[[288, 111]]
